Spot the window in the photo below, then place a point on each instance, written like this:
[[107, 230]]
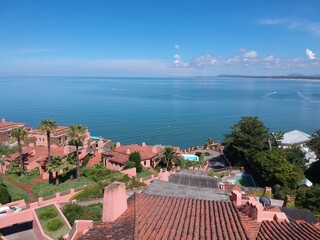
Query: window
[[145, 163], [9, 134]]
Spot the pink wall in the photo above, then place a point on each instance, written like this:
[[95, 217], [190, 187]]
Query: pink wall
[[112, 166], [147, 163], [114, 201], [255, 209], [37, 228], [13, 218], [132, 172]]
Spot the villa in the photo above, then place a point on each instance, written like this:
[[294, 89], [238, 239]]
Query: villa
[[6, 128], [59, 137], [37, 157], [115, 159], [294, 138]]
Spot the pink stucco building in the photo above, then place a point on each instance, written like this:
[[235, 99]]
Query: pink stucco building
[[115, 159]]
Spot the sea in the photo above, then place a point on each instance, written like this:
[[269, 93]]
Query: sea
[[182, 112]]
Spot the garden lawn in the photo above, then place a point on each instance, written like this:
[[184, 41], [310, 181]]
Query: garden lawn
[[22, 179], [45, 189], [143, 174], [15, 192], [57, 234]]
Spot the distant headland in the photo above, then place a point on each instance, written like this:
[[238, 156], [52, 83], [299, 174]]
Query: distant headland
[[293, 76]]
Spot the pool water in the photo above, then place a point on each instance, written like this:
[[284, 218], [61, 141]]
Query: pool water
[[190, 157], [244, 180]]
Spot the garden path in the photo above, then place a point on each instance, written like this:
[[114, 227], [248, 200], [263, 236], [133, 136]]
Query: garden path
[[26, 187]]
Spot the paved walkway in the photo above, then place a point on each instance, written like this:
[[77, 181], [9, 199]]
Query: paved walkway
[[26, 187]]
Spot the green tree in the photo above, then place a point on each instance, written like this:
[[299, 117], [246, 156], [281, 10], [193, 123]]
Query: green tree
[[276, 138], [314, 143], [273, 168], [77, 133], [295, 156], [313, 172], [134, 161], [208, 143], [4, 195], [309, 198], [20, 135], [247, 138], [55, 166], [167, 156], [47, 127]]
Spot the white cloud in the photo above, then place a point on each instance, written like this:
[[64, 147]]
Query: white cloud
[[250, 54], [176, 46], [307, 25], [205, 60], [311, 55], [271, 58], [178, 62]]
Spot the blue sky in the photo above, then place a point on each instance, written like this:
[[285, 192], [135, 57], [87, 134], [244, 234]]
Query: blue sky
[[159, 37]]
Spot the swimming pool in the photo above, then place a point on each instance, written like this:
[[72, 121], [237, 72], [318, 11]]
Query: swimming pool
[[190, 157], [244, 180]]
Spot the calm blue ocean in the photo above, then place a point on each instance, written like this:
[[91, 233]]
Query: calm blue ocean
[[173, 111]]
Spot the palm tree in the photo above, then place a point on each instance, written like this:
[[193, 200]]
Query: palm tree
[[77, 134], [55, 166], [167, 156], [47, 127], [20, 135]]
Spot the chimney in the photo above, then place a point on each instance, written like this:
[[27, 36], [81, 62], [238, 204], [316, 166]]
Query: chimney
[[114, 201], [118, 144], [236, 197], [154, 149], [33, 152], [268, 192], [3, 119], [128, 151], [143, 144]]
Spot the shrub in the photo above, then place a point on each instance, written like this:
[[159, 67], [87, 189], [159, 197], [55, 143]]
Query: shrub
[[76, 212], [90, 193], [4, 195], [48, 213], [14, 170], [54, 224], [97, 173], [207, 154]]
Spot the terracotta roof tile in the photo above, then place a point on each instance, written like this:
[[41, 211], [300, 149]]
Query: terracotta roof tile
[[284, 230], [120, 154], [38, 154], [94, 160], [8, 125], [155, 217]]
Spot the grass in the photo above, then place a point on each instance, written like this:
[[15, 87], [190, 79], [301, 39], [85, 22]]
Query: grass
[[143, 174], [22, 179], [45, 189], [53, 234], [212, 173], [15, 192]]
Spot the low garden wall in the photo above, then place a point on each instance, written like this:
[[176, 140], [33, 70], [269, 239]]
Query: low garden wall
[[132, 172]]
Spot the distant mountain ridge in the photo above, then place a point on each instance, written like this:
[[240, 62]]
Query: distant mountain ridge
[[290, 76]]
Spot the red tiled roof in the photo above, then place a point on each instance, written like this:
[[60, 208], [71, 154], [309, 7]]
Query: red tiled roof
[[94, 160], [299, 230], [40, 154], [232, 187], [120, 154], [6, 125], [156, 217], [58, 130]]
